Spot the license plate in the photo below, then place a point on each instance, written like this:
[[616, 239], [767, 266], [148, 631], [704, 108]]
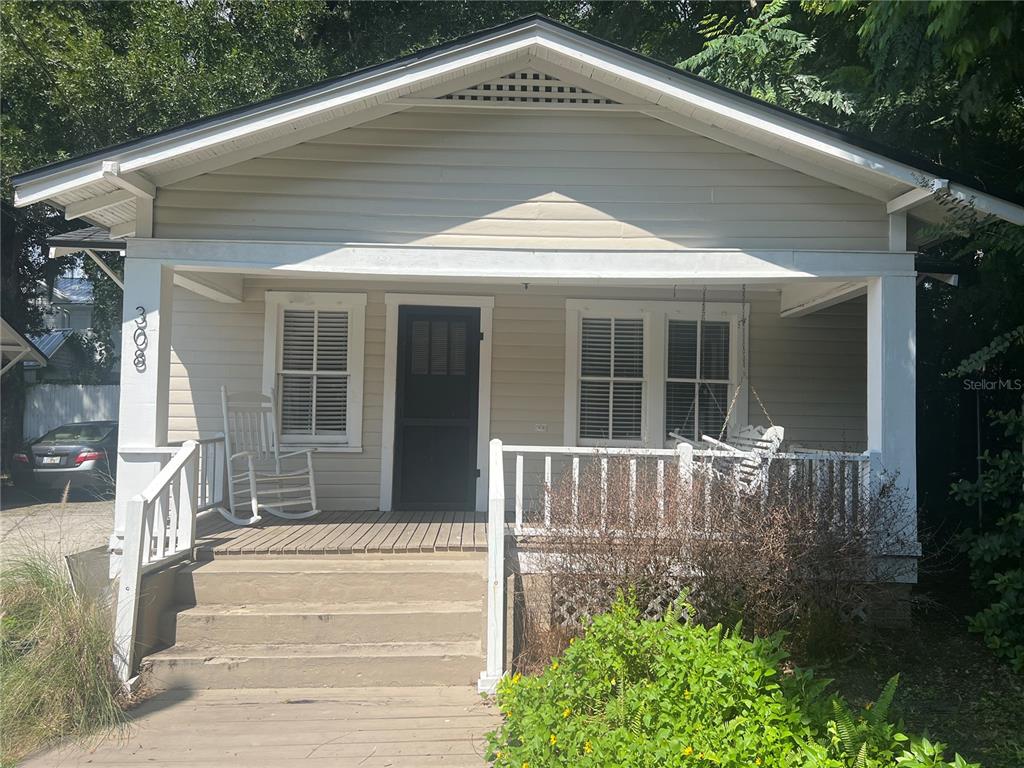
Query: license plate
[[51, 459]]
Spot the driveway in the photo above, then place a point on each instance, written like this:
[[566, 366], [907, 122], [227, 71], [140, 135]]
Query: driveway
[[33, 522]]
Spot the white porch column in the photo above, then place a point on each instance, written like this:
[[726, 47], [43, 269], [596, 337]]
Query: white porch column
[[145, 384], [892, 356]]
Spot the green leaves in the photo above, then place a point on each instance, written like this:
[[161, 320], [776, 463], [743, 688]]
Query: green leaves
[[764, 57], [662, 693]]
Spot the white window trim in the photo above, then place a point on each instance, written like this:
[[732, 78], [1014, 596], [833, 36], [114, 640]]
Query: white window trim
[[655, 315], [355, 305]]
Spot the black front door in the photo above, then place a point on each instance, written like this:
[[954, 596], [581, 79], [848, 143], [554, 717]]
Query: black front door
[[436, 408]]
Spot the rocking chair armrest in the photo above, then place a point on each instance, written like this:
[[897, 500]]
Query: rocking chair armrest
[[241, 454], [300, 452]]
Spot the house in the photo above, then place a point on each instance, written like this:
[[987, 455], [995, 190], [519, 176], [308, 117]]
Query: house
[[527, 235], [16, 348], [63, 359]]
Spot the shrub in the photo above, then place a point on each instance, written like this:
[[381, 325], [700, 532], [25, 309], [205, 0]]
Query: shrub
[[674, 693], [57, 677], [996, 555], [786, 560]]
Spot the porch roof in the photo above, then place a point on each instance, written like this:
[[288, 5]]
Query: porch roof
[[111, 186]]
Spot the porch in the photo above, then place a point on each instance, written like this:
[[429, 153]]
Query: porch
[[346, 533], [563, 368]]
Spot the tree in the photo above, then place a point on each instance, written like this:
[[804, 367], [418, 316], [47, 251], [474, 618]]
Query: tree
[[763, 57]]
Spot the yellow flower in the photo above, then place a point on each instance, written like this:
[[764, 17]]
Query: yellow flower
[[572, 640], [516, 678], [587, 748], [687, 694], [553, 739], [526, 765], [612, 681], [566, 712], [688, 751], [498, 754], [757, 761], [554, 664]]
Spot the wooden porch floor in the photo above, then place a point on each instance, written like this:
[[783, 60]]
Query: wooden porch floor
[[342, 533]]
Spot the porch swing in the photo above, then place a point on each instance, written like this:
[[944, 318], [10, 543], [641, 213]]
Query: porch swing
[[753, 447]]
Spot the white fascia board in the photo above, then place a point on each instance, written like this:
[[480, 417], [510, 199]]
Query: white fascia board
[[374, 88], [521, 266], [697, 97], [994, 206], [692, 99], [590, 59]]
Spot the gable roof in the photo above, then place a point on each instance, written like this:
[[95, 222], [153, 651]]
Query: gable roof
[[102, 186], [15, 346], [50, 341], [67, 290]]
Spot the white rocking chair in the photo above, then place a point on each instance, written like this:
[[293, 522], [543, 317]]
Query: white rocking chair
[[256, 477]]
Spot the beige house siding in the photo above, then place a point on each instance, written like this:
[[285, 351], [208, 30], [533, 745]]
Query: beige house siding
[[484, 178], [810, 372]]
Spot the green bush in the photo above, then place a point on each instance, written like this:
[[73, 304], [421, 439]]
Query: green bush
[[996, 554], [56, 675], [673, 693]]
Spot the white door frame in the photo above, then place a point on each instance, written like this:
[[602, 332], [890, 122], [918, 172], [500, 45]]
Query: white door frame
[[392, 302]]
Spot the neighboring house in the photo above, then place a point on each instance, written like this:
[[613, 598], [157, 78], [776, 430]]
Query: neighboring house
[[68, 304], [16, 347], [68, 341], [65, 353], [526, 234]]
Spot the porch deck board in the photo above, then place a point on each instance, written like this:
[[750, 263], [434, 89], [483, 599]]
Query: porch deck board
[[341, 533]]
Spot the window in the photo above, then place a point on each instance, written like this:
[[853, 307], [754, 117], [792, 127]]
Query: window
[[313, 360], [698, 391], [638, 370], [611, 378]]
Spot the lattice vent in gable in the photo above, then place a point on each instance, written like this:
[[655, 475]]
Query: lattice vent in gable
[[527, 86]]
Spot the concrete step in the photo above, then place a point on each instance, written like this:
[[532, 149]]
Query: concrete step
[[363, 579], [314, 665], [316, 622]]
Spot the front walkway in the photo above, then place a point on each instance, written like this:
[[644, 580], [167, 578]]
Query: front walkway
[[311, 727], [342, 533]]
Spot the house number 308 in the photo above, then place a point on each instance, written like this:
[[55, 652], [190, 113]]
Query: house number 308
[[140, 339]]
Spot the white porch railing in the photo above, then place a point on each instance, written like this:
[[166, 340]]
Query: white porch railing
[[837, 479], [160, 529]]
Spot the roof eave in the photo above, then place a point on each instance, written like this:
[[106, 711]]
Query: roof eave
[[660, 84]]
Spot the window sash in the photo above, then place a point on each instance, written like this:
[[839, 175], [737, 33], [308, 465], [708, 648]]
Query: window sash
[[335, 373], [622, 419], [705, 388], [327, 340]]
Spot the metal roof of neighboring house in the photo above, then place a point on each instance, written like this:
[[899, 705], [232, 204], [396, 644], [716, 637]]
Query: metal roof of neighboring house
[[74, 290], [49, 342], [15, 346]]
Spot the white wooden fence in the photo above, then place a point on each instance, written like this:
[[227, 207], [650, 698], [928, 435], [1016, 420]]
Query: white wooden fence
[[51, 405], [837, 482], [160, 529]]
